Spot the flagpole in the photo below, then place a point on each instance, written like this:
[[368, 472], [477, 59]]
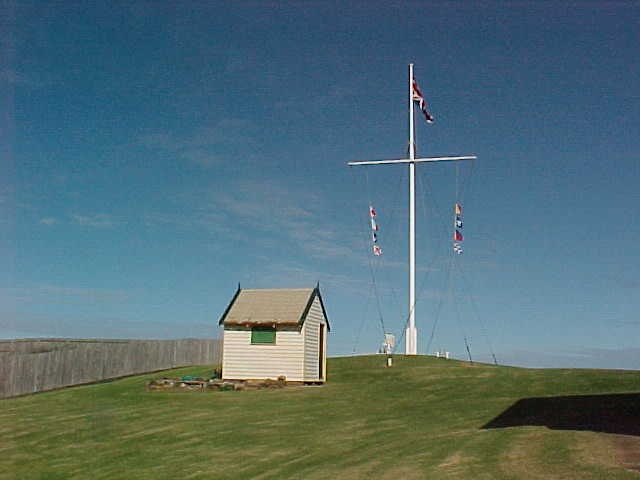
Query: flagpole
[[411, 334]]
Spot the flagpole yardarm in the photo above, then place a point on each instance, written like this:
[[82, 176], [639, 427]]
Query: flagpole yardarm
[[415, 160]]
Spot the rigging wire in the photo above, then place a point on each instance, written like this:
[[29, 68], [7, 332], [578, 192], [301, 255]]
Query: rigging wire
[[463, 281], [378, 266], [436, 317], [462, 276], [427, 193], [430, 268], [468, 351], [391, 222], [374, 286], [375, 266], [449, 266], [456, 307], [458, 200], [474, 306], [468, 179], [371, 267], [360, 327], [436, 207]]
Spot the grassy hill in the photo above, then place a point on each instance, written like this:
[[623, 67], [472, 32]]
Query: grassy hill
[[422, 418]]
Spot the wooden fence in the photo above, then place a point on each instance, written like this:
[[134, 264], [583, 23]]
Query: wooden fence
[[30, 366]]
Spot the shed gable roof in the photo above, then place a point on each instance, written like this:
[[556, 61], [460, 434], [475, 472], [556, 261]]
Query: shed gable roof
[[283, 306]]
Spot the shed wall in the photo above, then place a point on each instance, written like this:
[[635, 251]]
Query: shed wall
[[243, 361], [311, 329]]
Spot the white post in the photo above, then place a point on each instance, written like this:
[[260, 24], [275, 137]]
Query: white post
[[411, 334]]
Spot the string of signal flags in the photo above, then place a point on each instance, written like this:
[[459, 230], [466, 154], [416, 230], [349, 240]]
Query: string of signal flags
[[457, 230], [377, 251]]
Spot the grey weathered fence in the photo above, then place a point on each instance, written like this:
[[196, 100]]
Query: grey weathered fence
[[30, 366]]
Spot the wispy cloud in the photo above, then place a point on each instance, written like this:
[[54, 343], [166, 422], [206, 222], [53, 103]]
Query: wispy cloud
[[48, 325], [7, 194], [283, 274], [46, 294], [198, 217], [613, 358], [162, 141], [49, 221], [99, 220], [287, 212], [332, 95], [202, 158], [264, 211], [257, 199], [102, 294], [13, 77], [202, 146]]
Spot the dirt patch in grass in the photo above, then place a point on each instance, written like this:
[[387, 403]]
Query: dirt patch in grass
[[610, 450], [455, 464], [375, 469], [536, 455], [452, 460], [627, 451], [596, 449]]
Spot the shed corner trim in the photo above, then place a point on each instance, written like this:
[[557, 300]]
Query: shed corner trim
[[226, 312], [312, 297]]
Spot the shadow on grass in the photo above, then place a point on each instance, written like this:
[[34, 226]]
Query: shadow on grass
[[615, 413]]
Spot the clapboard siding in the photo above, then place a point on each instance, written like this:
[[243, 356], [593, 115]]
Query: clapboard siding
[[312, 326], [242, 360]]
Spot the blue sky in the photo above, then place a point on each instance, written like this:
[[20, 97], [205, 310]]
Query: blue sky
[[154, 155]]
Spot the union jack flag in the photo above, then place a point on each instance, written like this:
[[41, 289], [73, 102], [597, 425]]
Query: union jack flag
[[418, 97]]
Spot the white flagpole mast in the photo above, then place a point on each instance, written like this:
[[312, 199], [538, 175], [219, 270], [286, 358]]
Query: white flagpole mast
[[411, 333]]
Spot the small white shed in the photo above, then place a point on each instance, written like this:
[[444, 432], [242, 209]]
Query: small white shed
[[271, 333]]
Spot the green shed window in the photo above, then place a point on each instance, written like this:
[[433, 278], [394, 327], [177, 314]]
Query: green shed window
[[263, 335]]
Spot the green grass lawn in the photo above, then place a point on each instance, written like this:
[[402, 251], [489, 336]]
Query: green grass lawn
[[422, 418]]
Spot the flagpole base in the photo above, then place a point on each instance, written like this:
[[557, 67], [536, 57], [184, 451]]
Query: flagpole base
[[411, 341]]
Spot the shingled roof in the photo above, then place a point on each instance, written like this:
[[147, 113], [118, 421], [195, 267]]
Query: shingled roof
[[282, 306]]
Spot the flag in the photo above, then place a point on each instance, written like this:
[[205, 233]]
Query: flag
[[377, 251], [457, 236], [417, 97]]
